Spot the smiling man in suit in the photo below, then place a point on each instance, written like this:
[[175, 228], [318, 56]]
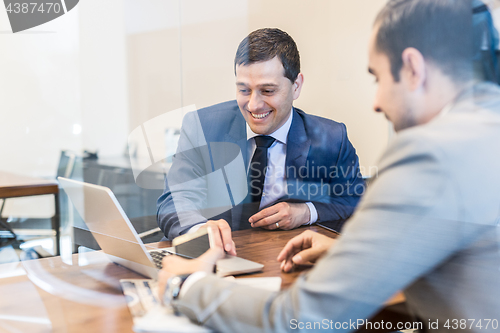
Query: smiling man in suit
[[293, 168]]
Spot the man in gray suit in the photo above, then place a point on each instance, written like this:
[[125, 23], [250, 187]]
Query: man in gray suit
[[428, 225]]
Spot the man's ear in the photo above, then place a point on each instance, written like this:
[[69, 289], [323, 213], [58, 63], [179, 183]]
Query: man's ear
[[413, 71], [297, 86]]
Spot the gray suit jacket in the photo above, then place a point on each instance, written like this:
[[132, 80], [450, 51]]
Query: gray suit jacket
[[428, 225]]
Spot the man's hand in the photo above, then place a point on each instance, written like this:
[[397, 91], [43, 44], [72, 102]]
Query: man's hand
[[287, 215], [222, 235], [304, 249], [175, 265]]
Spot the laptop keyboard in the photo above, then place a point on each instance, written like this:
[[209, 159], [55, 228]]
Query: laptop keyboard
[[157, 256]]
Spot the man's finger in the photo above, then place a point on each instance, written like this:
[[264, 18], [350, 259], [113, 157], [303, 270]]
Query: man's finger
[[217, 238], [308, 256], [294, 245], [267, 221], [287, 266], [227, 239], [267, 227], [209, 258], [264, 213], [289, 250]]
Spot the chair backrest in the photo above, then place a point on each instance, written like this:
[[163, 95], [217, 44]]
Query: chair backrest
[[70, 165]]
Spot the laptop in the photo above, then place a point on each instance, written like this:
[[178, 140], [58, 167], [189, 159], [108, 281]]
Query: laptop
[[110, 226]]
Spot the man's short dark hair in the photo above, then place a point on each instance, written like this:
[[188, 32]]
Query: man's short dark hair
[[265, 44], [440, 29]]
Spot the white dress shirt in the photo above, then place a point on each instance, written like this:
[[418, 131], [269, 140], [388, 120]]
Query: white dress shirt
[[275, 180], [274, 183]]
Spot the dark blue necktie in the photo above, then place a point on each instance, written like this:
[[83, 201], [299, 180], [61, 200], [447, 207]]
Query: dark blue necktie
[[256, 171]]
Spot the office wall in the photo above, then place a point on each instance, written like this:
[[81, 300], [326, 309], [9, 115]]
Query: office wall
[[63, 85], [39, 94], [103, 76], [184, 60]]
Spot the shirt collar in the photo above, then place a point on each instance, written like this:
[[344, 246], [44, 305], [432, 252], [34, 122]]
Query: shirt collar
[[280, 134], [445, 110], [448, 107]]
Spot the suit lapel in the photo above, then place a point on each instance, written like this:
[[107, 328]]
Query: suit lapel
[[297, 148], [238, 134]]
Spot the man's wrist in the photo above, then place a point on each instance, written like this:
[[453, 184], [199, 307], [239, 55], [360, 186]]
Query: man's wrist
[[191, 280], [178, 285], [173, 288], [313, 213], [195, 227]]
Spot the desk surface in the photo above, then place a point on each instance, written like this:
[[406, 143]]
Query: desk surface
[[13, 185], [264, 246], [82, 293]]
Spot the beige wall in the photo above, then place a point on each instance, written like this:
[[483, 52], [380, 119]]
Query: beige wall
[[39, 95], [63, 86], [154, 75], [187, 62], [191, 61], [103, 76]]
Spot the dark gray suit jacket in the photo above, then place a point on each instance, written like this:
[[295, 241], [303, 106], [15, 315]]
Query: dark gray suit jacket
[[207, 179]]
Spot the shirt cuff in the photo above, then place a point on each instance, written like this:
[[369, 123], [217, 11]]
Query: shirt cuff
[[313, 212], [196, 227], [192, 279]]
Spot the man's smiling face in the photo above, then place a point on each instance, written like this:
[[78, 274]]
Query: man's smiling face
[[264, 95]]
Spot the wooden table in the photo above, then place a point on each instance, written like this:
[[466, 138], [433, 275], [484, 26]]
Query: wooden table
[[83, 294], [13, 186]]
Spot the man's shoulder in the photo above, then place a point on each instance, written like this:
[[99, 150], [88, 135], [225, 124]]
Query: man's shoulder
[[452, 139], [474, 116], [219, 119], [469, 123], [223, 109], [320, 125]]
